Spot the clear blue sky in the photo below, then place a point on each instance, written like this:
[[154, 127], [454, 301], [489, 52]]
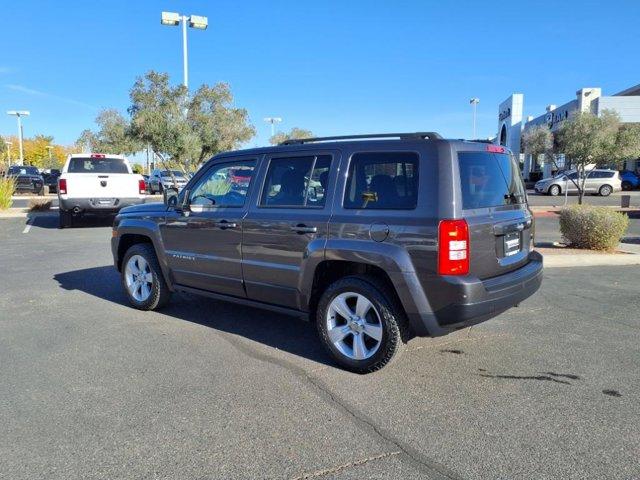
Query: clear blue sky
[[334, 67]]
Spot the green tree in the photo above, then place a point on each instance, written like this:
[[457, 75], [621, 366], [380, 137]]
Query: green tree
[[538, 141], [294, 133], [158, 119], [113, 135], [218, 125], [137, 168], [587, 139]]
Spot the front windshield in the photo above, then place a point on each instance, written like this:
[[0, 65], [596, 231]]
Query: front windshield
[[167, 173], [23, 171]]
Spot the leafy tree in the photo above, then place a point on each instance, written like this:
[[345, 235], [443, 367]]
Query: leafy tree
[[537, 141], [158, 119], [113, 135], [217, 124], [137, 168], [587, 139], [294, 133]]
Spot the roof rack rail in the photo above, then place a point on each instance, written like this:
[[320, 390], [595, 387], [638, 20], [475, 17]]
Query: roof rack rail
[[401, 136]]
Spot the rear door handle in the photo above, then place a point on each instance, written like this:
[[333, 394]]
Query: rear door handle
[[302, 228], [224, 224]]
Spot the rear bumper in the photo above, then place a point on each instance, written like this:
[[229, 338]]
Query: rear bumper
[[93, 205], [477, 300]]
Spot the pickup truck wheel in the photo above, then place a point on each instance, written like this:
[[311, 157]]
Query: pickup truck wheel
[[65, 219], [142, 278], [360, 324]]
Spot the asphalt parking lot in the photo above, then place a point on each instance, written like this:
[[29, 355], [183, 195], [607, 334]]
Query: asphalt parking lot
[[94, 389]]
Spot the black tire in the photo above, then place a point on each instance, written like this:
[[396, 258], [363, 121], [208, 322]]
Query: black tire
[[160, 293], [65, 219], [554, 190], [395, 331], [160, 188], [626, 185], [605, 190]]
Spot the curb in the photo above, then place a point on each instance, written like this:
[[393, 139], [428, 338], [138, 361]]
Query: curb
[[24, 213], [590, 260]]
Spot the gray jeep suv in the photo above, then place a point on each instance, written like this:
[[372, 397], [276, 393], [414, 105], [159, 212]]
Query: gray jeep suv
[[375, 238]]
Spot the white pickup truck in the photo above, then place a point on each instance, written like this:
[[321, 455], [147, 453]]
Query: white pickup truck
[[97, 183]]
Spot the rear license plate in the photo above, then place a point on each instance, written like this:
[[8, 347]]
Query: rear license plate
[[512, 243]]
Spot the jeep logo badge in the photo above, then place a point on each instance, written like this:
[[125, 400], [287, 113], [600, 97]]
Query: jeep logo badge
[[103, 183]]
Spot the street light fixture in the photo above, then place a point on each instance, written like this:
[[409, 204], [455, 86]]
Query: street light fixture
[[173, 19], [19, 114], [273, 121], [474, 101]]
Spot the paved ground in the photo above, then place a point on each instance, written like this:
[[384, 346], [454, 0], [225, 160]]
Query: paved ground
[[94, 389]]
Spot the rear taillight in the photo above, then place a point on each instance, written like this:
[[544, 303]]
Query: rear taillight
[[62, 186], [453, 247], [142, 187]]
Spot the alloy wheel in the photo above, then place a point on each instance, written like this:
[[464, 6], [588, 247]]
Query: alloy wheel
[[354, 326], [138, 278]]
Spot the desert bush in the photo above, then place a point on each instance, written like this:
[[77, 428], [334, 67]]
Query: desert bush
[[7, 187], [39, 204], [595, 228]]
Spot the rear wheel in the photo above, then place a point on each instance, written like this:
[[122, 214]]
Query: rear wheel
[[554, 190], [360, 324], [142, 278], [65, 219], [605, 190]]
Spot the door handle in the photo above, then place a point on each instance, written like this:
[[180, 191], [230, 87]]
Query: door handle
[[302, 228], [224, 224]]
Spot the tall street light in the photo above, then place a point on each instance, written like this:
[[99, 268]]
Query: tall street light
[[273, 121], [8, 153], [19, 114], [172, 19], [50, 147], [474, 101]]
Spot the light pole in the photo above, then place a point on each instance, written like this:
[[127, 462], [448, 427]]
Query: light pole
[[273, 121], [49, 148], [8, 155], [19, 114], [172, 19], [474, 101]]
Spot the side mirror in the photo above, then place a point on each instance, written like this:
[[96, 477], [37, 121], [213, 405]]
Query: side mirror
[[170, 197]]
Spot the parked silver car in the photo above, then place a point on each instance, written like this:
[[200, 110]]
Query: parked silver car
[[599, 181]]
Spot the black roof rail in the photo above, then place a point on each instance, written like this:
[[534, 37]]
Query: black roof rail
[[401, 136]]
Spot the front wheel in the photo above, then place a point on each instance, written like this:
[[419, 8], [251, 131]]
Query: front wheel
[[360, 324], [142, 278], [554, 190], [605, 190], [626, 185]]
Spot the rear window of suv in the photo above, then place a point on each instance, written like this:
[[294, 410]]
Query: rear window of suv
[[97, 165], [489, 180]]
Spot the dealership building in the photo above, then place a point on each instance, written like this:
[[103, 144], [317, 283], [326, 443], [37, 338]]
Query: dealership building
[[512, 124]]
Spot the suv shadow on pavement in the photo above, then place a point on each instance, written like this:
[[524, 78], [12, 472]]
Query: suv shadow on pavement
[[282, 332]]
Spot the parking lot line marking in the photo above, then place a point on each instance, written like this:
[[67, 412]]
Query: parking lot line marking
[[28, 227]]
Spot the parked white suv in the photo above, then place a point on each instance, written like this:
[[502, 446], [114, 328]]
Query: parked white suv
[[599, 182], [97, 183], [161, 179]]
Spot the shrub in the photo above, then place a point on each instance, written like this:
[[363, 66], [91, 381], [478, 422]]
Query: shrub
[[7, 187], [39, 204], [595, 228]]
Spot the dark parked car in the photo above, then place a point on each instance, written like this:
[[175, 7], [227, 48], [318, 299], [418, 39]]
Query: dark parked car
[[28, 179], [374, 239], [51, 179]]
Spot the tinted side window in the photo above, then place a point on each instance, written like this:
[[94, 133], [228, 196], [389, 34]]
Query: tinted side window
[[382, 180], [296, 182], [224, 185]]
